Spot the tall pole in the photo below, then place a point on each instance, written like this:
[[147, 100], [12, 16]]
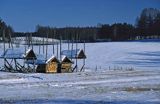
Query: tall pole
[[25, 48], [31, 40], [76, 52], [68, 44], [39, 49], [47, 47], [84, 46], [53, 40], [60, 48], [57, 50], [4, 48], [27, 36], [9, 45], [43, 45], [12, 48], [72, 49], [67, 38]]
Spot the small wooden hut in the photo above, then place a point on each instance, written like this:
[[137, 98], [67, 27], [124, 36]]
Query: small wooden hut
[[30, 55], [75, 54], [51, 65], [66, 65]]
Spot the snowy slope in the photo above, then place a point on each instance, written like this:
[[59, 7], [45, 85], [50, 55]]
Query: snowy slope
[[115, 55]]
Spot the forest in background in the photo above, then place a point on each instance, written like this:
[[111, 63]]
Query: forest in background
[[147, 26]]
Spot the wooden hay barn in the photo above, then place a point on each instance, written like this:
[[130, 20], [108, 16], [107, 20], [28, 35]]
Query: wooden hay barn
[[66, 65], [50, 65], [76, 55]]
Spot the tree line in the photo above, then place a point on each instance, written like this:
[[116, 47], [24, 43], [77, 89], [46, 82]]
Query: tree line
[[6, 31], [147, 25]]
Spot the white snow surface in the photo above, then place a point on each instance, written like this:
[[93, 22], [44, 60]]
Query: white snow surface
[[113, 55], [113, 87], [108, 78]]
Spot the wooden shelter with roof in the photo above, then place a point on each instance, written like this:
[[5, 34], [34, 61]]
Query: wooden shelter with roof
[[30, 55], [75, 54], [66, 64], [11, 57], [50, 65]]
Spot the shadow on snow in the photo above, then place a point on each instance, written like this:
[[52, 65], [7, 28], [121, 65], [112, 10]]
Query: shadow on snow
[[143, 59], [68, 101]]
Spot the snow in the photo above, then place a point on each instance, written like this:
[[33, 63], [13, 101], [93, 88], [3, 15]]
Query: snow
[[52, 57], [71, 53], [113, 87], [113, 55], [10, 80], [115, 73], [137, 55], [13, 53], [35, 40]]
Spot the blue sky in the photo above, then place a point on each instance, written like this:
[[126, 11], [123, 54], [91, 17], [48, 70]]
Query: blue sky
[[24, 15]]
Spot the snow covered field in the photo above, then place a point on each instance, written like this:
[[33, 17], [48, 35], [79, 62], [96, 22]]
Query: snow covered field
[[137, 55], [113, 55], [97, 85], [109, 87], [126, 55]]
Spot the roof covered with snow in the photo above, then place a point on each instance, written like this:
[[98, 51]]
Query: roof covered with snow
[[41, 59], [78, 53], [17, 53], [13, 54], [65, 59]]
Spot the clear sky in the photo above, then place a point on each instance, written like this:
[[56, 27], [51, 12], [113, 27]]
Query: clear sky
[[24, 15]]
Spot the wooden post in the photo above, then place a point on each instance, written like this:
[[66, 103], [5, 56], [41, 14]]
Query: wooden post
[[53, 45], [68, 45], [25, 49], [57, 50], [31, 40], [9, 45], [43, 45], [15, 64], [28, 40], [34, 69], [4, 48], [72, 49], [84, 52], [28, 66], [53, 40], [76, 53], [39, 49], [60, 48], [47, 47], [12, 48]]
